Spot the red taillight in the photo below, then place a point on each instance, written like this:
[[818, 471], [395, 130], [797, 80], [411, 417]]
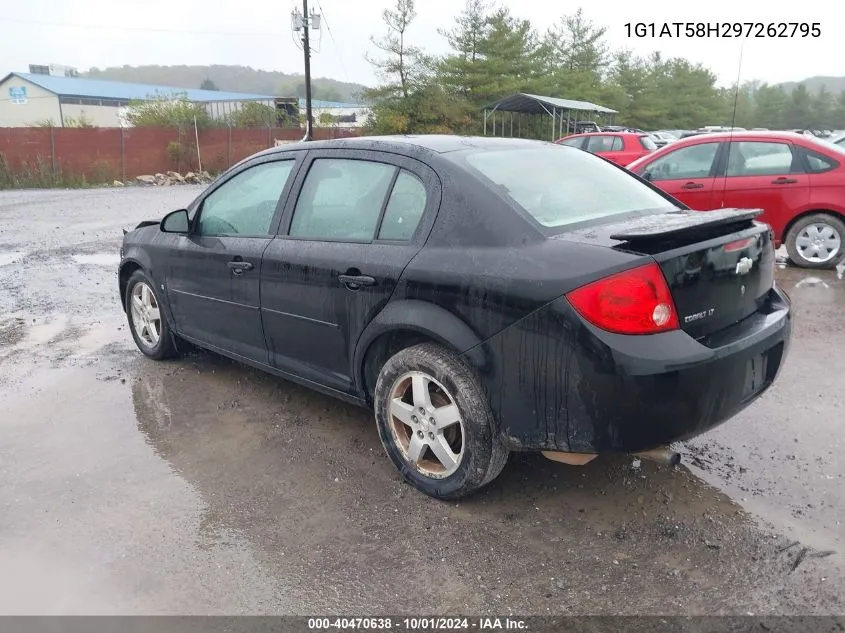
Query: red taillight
[[738, 245], [636, 301]]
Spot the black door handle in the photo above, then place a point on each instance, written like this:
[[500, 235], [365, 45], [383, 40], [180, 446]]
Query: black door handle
[[784, 181], [354, 282], [238, 266], [692, 185]]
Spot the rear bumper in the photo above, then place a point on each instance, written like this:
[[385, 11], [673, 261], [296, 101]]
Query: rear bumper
[[592, 391], [673, 387]]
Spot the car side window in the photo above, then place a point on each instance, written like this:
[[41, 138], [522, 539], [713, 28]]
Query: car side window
[[245, 205], [760, 158], [573, 142], [604, 144], [404, 208], [818, 163], [693, 161], [341, 199]]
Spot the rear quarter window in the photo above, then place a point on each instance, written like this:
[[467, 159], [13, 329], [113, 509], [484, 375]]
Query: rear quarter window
[[647, 143], [572, 142], [558, 186], [817, 163]]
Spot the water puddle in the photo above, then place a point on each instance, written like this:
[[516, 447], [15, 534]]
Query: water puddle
[[98, 259], [811, 282], [46, 332], [11, 257]]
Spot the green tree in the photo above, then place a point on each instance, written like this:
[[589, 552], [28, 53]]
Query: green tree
[[399, 103], [207, 84], [327, 94], [690, 95], [838, 113], [798, 108], [821, 114], [404, 65], [167, 111], [631, 89], [738, 105], [461, 72], [769, 107], [253, 114], [81, 121], [576, 58], [494, 54], [510, 58]]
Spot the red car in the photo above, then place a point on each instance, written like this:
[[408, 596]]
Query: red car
[[620, 147], [798, 181]]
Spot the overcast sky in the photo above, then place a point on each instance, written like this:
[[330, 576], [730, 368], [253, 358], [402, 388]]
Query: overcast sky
[[86, 33]]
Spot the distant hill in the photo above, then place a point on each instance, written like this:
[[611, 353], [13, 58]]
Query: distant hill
[[814, 84], [232, 78]]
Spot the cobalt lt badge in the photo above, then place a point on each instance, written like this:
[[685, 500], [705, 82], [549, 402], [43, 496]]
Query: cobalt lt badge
[[742, 290], [743, 266]]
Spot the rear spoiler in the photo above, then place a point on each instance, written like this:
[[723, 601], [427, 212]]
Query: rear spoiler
[[668, 225]]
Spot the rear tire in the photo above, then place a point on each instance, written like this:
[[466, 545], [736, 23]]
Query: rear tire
[[435, 423], [816, 241], [147, 321]]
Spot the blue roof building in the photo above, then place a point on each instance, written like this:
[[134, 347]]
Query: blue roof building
[[28, 99]]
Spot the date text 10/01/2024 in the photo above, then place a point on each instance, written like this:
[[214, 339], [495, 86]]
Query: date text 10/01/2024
[[418, 624], [723, 29]]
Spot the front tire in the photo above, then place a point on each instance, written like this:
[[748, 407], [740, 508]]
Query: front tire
[[816, 241], [435, 423], [146, 318]]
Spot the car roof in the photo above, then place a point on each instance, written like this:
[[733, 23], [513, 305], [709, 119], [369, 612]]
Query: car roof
[[411, 144], [614, 133], [740, 135]]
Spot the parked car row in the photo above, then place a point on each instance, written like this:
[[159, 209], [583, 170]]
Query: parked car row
[[621, 148], [797, 180]]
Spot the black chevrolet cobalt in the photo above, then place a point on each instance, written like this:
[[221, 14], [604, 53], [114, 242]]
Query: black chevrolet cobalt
[[482, 295]]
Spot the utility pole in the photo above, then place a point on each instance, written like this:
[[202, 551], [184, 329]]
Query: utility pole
[[306, 46], [306, 22]]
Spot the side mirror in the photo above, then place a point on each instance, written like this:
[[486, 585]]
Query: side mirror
[[647, 175], [176, 222]]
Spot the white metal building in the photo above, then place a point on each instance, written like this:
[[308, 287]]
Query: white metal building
[[28, 99]]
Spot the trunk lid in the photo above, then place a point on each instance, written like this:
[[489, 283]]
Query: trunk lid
[[719, 264]]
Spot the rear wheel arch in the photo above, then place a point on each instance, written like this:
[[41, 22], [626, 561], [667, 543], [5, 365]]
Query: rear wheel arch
[[786, 229], [404, 324]]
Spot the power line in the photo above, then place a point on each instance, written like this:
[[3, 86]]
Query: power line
[[334, 43]]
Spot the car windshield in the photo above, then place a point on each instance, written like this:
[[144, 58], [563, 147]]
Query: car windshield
[[560, 186]]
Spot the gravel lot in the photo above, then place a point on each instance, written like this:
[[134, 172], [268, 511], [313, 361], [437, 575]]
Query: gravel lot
[[200, 486]]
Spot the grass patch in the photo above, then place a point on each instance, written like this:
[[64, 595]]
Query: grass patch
[[42, 175]]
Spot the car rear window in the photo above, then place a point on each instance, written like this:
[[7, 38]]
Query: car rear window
[[647, 143], [560, 186]]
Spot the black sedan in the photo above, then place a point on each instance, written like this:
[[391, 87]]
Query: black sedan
[[481, 295]]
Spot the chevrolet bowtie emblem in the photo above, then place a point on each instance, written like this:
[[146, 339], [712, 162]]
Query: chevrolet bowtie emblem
[[743, 266]]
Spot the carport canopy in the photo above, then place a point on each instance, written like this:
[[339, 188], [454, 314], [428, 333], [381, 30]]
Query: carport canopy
[[525, 103]]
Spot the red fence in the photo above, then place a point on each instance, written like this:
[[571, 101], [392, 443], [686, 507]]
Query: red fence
[[105, 154]]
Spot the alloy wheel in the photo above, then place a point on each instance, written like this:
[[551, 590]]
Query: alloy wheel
[[146, 315], [426, 425]]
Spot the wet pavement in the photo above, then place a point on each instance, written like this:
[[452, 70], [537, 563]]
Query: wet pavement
[[202, 486]]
